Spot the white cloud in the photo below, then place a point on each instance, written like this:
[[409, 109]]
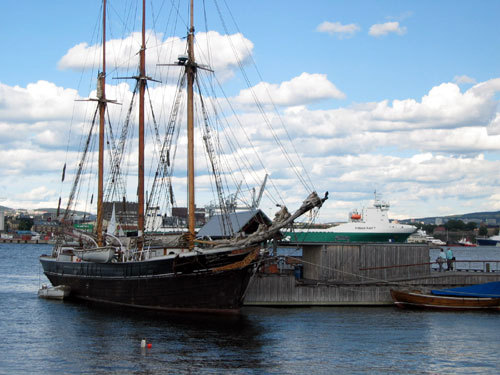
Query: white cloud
[[231, 50], [494, 202], [304, 89], [444, 106], [464, 80], [415, 150], [441, 117], [41, 101], [21, 161], [336, 28], [381, 29], [494, 125], [422, 181], [37, 194]]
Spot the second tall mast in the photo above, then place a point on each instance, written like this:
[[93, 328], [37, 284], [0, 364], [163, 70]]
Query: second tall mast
[[191, 71]]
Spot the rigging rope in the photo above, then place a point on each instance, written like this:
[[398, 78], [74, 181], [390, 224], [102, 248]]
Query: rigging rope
[[306, 183], [207, 138], [350, 273], [115, 175], [165, 167], [239, 147], [80, 168]]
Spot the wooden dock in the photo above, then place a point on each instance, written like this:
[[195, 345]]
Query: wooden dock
[[355, 274], [19, 240]]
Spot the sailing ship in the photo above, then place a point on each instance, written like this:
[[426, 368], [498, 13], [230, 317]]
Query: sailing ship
[[135, 269]]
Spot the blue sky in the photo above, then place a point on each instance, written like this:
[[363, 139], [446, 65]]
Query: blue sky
[[410, 110]]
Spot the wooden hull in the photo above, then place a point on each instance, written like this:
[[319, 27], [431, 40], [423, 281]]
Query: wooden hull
[[199, 283], [416, 299]]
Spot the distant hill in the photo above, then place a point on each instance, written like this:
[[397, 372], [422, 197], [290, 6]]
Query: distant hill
[[474, 216], [488, 215], [49, 210], [54, 211], [6, 209]]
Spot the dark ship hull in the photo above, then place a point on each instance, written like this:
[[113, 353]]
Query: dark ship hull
[[206, 282]]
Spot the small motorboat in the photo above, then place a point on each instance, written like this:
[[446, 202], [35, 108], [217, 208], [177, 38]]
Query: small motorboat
[[491, 241], [465, 242], [56, 292], [482, 296]]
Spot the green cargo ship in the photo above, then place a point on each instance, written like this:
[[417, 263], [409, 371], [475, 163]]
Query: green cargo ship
[[372, 225]]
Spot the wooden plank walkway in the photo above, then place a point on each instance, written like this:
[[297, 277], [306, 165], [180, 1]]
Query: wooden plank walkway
[[19, 240]]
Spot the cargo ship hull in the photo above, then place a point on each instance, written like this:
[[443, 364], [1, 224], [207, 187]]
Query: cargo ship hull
[[307, 237]]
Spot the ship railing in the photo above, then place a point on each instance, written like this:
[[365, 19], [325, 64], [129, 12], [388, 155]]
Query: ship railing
[[135, 254], [122, 248], [144, 254]]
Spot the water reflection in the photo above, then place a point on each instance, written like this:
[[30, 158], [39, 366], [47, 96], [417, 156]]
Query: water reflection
[[180, 341]]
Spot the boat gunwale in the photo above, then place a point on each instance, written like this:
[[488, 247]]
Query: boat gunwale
[[451, 297], [168, 256], [431, 301], [142, 277]]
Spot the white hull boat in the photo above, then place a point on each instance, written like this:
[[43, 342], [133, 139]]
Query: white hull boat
[[102, 255], [56, 292]]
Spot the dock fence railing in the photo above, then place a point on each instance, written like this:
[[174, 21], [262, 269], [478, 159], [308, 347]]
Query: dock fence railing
[[286, 264], [458, 265], [471, 266]]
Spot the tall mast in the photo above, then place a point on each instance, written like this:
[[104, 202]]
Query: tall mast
[[191, 71], [142, 89], [101, 97]]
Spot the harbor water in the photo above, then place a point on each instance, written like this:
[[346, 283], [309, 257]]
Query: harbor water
[[54, 337]]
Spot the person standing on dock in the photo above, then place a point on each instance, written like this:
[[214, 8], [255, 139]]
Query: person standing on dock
[[449, 259], [440, 259]]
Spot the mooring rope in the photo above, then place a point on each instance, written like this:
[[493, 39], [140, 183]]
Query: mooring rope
[[349, 273]]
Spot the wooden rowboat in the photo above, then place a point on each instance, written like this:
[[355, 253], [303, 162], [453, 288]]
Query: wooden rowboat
[[417, 299]]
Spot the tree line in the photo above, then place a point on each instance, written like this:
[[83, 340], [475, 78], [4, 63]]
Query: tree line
[[455, 226]]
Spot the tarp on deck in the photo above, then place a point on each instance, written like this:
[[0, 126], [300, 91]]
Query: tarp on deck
[[491, 290]]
